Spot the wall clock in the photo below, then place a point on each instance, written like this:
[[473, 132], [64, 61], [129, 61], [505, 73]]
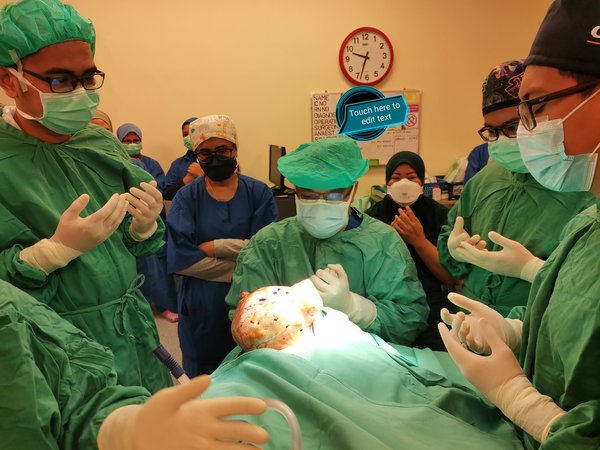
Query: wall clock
[[366, 56]]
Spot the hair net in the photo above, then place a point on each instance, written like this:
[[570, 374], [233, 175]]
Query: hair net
[[330, 163], [103, 117], [127, 128], [501, 87], [569, 37], [410, 158], [217, 126], [30, 25]]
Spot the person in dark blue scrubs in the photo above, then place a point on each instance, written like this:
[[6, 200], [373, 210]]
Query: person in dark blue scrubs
[[185, 168], [209, 222]]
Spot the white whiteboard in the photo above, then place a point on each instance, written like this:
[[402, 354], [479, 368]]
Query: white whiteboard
[[380, 150]]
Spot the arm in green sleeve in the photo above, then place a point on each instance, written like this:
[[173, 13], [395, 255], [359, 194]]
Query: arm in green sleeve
[[456, 269], [397, 293], [256, 267], [146, 247], [56, 385]]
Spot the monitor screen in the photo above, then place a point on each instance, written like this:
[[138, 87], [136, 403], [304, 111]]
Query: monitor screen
[[275, 152]]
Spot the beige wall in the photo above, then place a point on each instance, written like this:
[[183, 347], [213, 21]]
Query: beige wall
[[259, 61]]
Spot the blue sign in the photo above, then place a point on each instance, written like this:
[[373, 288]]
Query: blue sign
[[363, 113]]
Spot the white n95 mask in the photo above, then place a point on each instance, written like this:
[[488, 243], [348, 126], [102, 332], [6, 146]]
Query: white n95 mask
[[405, 192], [321, 218]]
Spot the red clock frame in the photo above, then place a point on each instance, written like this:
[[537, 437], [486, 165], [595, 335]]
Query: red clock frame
[[341, 56]]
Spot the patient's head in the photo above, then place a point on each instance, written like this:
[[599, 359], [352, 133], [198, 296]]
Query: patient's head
[[275, 316]]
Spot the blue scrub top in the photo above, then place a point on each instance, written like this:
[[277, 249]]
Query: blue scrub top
[[478, 159], [178, 170], [154, 168]]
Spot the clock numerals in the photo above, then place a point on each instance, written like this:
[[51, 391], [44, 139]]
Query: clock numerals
[[366, 56]]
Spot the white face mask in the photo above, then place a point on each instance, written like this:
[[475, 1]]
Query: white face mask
[[321, 218], [405, 192]]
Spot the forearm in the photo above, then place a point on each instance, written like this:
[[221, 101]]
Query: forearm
[[430, 256], [229, 248], [526, 406], [211, 269], [146, 247]]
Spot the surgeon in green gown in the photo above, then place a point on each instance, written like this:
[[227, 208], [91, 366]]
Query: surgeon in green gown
[[65, 235], [506, 198], [551, 392], [59, 391], [359, 265]]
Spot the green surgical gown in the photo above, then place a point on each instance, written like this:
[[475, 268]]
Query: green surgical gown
[[519, 208], [357, 392], [56, 385], [377, 262], [97, 292], [560, 353]]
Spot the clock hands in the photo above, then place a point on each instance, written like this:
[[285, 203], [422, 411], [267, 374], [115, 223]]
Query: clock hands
[[366, 57], [362, 56]]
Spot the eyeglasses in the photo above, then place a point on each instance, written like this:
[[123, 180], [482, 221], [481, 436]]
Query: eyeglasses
[[67, 83], [222, 153], [132, 141], [525, 108], [334, 195], [491, 134]]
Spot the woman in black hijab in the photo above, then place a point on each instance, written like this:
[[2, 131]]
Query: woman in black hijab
[[417, 220]]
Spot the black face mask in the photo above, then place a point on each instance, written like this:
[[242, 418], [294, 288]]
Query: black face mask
[[219, 170]]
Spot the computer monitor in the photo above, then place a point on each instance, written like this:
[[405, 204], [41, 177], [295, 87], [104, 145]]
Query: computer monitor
[[276, 152]]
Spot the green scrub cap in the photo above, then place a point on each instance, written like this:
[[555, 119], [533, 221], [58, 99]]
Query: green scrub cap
[[28, 26], [330, 163]]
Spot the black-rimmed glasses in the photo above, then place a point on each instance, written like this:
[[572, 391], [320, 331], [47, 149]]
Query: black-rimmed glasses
[[525, 108], [222, 153], [63, 84], [491, 134]]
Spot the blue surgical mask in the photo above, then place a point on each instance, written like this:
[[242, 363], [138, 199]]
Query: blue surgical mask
[[505, 151], [321, 218], [63, 113], [543, 152]]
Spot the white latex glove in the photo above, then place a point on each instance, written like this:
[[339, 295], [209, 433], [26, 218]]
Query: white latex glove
[[466, 327], [333, 287], [75, 235], [145, 207], [174, 418], [514, 260], [458, 236], [500, 378]]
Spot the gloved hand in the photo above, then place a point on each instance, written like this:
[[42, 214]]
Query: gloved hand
[[75, 235], [466, 327], [500, 378], [174, 418], [333, 287], [85, 233], [145, 207], [514, 260], [458, 236], [193, 172]]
